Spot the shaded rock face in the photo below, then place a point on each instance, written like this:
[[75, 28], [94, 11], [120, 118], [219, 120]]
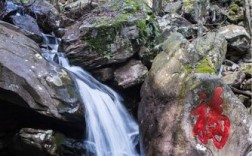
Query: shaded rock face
[[238, 40], [45, 142], [47, 16], [109, 34], [43, 91], [185, 107]]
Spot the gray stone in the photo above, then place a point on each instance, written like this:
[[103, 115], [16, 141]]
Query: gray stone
[[238, 39], [230, 77], [47, 16], [35, 86], [173, 7], [79, 4], [109, 34], [170, 23], [27, 23], [177, 85], [104, 74], [133, 73], [247, 85], [247, 69]]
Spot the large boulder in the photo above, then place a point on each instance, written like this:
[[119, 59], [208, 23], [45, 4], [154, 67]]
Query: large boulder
[[185, 108], [46, 14], [110, 34], [35, 92], [28, 24]]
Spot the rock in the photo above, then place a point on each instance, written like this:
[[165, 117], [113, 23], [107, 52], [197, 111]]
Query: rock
[[32, 142], [167, 121], [170, 23], [174, 94], [109, 34], [216, 16], [238, 39], [47, 16], [235, 12], [173, 7], [29, 34], [76, 9], [247, 69], [66, 21], [7, 8], [35, 142], [230, 77], [147, 56], [29, 24], [196, 11], [247, 85], [245, 100], [33, 91], [133, 73], [104, 74], [76, 5], [2, 9]]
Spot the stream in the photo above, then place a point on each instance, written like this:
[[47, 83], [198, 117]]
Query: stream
[[111, 131]]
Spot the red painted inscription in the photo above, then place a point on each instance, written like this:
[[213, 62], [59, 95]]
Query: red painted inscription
[[211, 123]]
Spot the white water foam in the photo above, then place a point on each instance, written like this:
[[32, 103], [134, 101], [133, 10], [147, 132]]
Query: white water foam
[[111, 131]]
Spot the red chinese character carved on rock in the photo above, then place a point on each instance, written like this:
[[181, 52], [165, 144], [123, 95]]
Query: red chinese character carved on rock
[[211, 123]]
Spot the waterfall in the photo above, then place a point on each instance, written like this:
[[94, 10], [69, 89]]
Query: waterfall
[[111, 131]]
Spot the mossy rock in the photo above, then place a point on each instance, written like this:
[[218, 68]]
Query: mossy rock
[[235, 12], [111, 32]]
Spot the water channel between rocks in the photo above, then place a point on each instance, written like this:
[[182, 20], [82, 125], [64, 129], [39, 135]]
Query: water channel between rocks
[[111, 131]]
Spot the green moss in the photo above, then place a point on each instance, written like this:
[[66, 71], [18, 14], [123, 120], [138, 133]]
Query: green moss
[[105, 36], [204, 67], [188, 5], [116, 16], [234, 7], [235, 13]]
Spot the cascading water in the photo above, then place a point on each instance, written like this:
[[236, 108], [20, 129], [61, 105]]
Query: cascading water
[[111, 131]]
